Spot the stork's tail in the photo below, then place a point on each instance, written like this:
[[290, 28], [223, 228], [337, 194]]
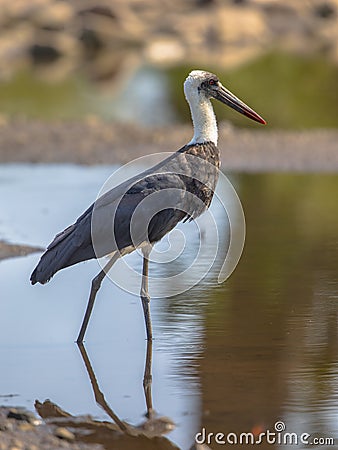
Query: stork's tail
[[56, 257], [68, 247], [48, 265]]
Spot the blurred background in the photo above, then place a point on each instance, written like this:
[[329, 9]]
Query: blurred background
[[126, 59]]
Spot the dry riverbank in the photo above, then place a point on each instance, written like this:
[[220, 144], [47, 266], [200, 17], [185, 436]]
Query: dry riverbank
[[93, 141], [11, 250]]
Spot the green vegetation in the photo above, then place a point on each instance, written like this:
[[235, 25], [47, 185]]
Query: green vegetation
[[288, 91], [27, 95]]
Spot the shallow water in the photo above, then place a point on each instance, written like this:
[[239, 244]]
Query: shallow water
[[236, 357]]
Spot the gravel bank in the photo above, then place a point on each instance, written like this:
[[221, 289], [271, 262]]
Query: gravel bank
[[93, 141], [11, 250], [226, 33], [22, 430]]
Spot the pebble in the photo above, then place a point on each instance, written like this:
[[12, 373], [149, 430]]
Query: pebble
[[20, 414], [18, 431], [16, 444], [63, 433], [26, 426]]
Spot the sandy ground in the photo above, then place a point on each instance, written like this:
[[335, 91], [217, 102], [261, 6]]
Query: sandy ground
[[10, 250], [22, 430], [93, 141]]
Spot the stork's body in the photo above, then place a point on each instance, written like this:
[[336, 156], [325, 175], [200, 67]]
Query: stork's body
[[181, 187]]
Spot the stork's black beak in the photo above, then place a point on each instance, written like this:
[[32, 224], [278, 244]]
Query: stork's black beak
[[223, 95]]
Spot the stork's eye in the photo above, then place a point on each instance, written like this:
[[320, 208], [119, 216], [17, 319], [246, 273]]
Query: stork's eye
[[212, 82]]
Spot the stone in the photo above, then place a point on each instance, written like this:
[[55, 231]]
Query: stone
[[240, 25], [325, 10], [54, 16], [63, 433], [25, 426], [22, 415], [164, 51]]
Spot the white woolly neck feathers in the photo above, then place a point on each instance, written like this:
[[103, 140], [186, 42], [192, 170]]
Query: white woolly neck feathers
[[202, 112]]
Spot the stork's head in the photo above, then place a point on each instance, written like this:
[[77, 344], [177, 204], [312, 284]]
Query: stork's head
[[201, 85]]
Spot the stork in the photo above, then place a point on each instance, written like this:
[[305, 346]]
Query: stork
[[140, 211]]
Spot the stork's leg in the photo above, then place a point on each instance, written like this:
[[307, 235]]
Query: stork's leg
[[96, 284], [147, 380], [144, 294]]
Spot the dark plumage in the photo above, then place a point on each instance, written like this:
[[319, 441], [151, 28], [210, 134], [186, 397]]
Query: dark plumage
[[179, 171], [140, 211]]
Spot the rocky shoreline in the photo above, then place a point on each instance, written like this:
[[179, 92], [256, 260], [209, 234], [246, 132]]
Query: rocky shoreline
[[95, 36], [94, 141], [55, 428], [8, 250], [22, 430]]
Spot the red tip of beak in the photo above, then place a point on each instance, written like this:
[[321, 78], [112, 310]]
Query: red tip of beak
[[253, 115]]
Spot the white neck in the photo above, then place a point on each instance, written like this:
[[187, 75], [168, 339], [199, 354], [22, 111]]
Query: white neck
[[202, 113], [204, 120]]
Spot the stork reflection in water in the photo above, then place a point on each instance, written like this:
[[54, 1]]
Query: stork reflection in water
[[122, 433]]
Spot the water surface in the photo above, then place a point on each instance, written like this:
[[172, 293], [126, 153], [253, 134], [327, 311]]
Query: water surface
[[235, 357]]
